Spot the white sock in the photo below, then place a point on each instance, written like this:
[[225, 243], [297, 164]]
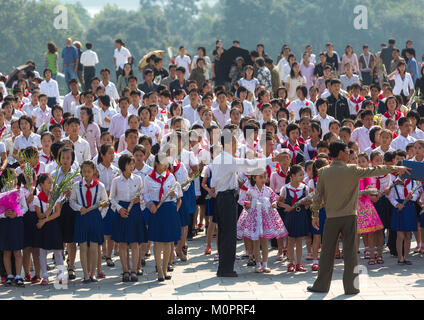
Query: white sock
[[315, 262], [265, 264], [258, 265], [17, 276]]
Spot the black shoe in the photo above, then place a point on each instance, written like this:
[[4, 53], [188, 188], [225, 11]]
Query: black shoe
[[311, 289], [161, 279], [170, 268], [168, 278], [71, 274], [228, 275], [94, 280], [251, 263], [86, 281], [20, 282], [126, 277], [8, 282], [143, 262], [407, 262], [147, 254], [140, 272], [133, 278], [352, 293]]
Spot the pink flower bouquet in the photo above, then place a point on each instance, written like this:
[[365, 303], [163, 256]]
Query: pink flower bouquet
[[10, 200]]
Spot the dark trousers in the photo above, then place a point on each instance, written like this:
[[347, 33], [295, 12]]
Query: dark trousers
[[51, 101], [366, 78], [89, 73], [333, 227], [226, 218], [118, 73]]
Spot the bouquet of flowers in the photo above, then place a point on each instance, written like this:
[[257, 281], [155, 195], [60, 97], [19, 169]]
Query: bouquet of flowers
[[415, 189], [137, 195], [97, 205], [368, 192], [28, 170], [10, 198], [42, 129], [61, 187]]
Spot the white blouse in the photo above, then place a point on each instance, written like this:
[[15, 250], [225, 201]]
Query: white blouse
[[106, 175], [125, 189], [189, 160], [393, 196], [181, 175], [403, 85], [152, 188], [76, 202]]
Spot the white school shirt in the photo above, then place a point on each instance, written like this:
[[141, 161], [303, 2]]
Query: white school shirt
[[221, 117], [121, 57], [2, 148], [183, 62], [191, 114], [23, 194], [133, 110], [44, 158], [385, 182], [181, 175], [325, 123], [52, 166], [152, 188], [29, 109], [51, 89], [89, 58], [75, 200], [118, 125], [111, 90], [106, 175], [34, 140], [123, 189], [82, 149], [418, 134], [94, 109], [249, 84], [393, 196], [308, 147], [40, 170], [362, 137], [403, 86], [152, 130], [189, 160], [41, 116], [122, 145], [69, 103], [146, 170], [248, 109], [109, 113], [401, 142], [298, 104], [5, 129], [384, 152]]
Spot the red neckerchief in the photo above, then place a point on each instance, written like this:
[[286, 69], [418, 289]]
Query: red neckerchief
[[43, 197], [22, 104], [397, 115], [405, 187], [293, 150], [244, 188], [302, 140], [160, 180], [286, 105], [37, 168], [378, 182], [395, 135], [88, 195], [373, 146], [294, 200], [357, 101], [176, 168], [316, 179], [268, 171], [282, 174], [53, 121], [26, 94], [47, 158], [2, 129], [381, 96]]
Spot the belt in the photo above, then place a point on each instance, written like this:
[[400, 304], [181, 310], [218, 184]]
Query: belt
[[71, 64], [89, 66]]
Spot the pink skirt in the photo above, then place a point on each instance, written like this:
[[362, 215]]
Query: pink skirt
[[368, 218]]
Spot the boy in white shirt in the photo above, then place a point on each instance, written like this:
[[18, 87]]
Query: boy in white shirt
[[184, 61], [106, 113], [42, 113]]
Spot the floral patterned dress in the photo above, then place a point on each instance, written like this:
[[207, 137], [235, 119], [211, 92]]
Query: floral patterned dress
[[261, 220], [368, 218]]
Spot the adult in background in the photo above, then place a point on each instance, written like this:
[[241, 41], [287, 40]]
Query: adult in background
[[224, 183], [89, 60], [367, 63], [338, 190], [80, 70], [70, 62], [51, 58], [121, 56], [386, 55]]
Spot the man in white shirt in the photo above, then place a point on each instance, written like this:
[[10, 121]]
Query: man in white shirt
[[190, 111], [110, 87], [322, 116], [222, 112], [362, 135], [50, 88], [89, 60], [81, 146], [89, 99], [225, 170], [121, 56], [307, 68], [417, 133], [29, 107], [119, 122], [404, 137], [184, 61]]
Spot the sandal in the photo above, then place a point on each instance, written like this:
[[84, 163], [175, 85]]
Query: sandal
[[300, 267], [133, 277], [279, 258], [259, 270], [109, 262], [184, 249], [101, 275], [168, 277], [251, 263], [371, 262], [208, 251], [417, 249], [367, 255], [45, 282], [291, 267], [315, 267], [337, 255], [380, 260], [407, 262], [182, 257], [170, 268], [20, 282], [266, 270], [71, 274], [126, 277]]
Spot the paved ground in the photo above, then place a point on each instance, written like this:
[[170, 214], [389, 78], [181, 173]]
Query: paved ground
[[196, 280]]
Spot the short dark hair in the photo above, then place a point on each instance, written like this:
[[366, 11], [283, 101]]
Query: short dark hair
[[124, 160], [336, 147]]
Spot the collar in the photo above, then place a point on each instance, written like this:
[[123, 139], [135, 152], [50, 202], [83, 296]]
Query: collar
[[338, 163]]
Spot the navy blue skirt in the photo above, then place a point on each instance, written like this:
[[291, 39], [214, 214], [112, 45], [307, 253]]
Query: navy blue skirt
[[67, 220], [189, 200], [164, 225], [322, 218], [384, 209], [11, 234], [108, 222], [30, 228], [89, 227], [405, 220], [210, 207], [131, 229], [298, 224], [49, 237]]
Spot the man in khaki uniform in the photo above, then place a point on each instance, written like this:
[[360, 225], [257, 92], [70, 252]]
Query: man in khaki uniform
[[338, 189]]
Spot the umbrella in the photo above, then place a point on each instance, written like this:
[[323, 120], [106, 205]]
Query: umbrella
[[13, 76], [143, 61]]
